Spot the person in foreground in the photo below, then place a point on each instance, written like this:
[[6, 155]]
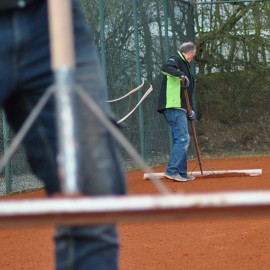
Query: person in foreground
[[172, 105], [25, 74]]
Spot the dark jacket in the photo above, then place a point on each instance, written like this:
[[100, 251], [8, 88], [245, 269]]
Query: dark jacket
[[12, 4], [171, 91]]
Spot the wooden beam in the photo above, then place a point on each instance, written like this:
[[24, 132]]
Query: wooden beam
[[229, 173], [135, 208]]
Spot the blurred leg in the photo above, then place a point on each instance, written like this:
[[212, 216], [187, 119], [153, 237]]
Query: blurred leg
[[101, 170], [93, 247], [25, 55]]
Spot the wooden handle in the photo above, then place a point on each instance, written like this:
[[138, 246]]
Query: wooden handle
[[61, 33], [192, 126], [186, 96]]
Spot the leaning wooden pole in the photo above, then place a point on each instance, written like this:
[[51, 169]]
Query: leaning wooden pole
[[62, 58], [192, 126]]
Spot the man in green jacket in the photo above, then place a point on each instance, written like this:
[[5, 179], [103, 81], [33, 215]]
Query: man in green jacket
[[172, 104]]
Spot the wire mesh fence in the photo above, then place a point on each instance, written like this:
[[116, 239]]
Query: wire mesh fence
[[16, 176], [134, 38]]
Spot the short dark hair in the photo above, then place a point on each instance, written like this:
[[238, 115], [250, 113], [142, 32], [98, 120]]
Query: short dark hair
[[187, 46]]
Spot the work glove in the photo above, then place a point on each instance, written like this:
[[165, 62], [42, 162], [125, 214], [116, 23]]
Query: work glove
[[191, 117], [187, 83]]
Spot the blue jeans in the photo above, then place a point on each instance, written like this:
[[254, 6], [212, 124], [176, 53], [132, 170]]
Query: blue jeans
[[177, 119], [25, 74]]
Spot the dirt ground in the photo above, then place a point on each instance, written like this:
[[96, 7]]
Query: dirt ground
[[216, 244]]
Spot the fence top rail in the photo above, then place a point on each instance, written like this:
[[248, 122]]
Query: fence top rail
[[233, 2]]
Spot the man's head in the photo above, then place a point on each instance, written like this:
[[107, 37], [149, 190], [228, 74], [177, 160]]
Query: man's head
[[188, 49]]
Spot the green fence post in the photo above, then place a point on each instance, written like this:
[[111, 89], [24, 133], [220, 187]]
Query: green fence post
[[6, 143], [138, 75], [191, 35], [102, 40], [167, 51], [166, 16]]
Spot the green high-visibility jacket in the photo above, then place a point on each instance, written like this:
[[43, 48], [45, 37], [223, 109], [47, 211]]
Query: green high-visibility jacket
[[171, 91]]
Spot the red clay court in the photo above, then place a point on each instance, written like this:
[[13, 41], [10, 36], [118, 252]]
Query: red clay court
[[201, 244]]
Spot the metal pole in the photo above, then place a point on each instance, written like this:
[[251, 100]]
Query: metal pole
[[138, 75], [167, 51], [63, 62], [102, 40], [191, 36], [8, 178], [166, 28]]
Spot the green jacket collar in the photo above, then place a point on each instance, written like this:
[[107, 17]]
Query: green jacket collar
[[182, 56]]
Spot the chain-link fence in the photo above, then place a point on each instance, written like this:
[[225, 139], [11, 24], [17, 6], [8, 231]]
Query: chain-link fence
[[232, 69], [233, 77], [135, 38], [16, 175]]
